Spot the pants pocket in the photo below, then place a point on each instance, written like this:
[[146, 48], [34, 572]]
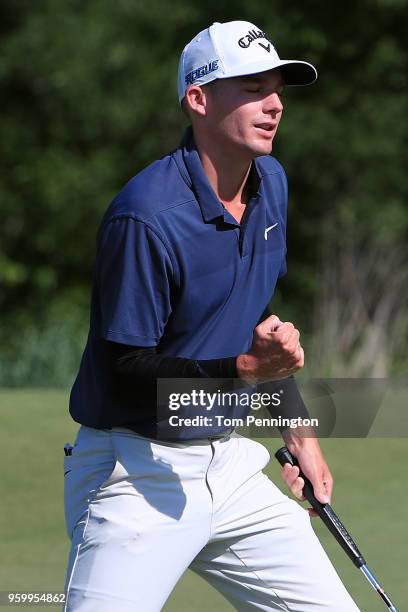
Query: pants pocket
[[85, 471]]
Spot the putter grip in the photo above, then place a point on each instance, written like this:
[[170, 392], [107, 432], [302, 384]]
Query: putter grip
[[325, 511]]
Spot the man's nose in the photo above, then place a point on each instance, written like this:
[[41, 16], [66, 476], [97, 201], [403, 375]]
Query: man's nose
[[273, 104]]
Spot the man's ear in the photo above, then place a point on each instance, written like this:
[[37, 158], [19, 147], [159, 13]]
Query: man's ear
[[196, 100]]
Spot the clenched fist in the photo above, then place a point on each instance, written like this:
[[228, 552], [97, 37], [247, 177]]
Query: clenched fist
[[275, 352]]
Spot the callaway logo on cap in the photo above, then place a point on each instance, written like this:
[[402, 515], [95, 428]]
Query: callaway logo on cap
[[235, 48]]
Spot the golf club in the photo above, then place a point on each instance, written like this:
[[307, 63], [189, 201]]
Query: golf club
[[336, 527]]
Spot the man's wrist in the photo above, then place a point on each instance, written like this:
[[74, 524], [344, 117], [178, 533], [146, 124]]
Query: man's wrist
[[299, 437], [246, 367]]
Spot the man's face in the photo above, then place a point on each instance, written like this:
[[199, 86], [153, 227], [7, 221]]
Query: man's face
[[243, 113]]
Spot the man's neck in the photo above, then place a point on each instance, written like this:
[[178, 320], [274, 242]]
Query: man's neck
[[226, 173]]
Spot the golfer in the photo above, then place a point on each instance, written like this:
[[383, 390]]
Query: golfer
[[188, 257]]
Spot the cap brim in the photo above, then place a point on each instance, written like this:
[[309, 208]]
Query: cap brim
[[294, 72], [298, 73]]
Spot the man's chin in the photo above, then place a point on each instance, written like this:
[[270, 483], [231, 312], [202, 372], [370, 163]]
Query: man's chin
[[262, 149], [256, 148]]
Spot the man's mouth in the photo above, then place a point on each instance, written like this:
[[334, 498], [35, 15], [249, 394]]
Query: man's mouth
[[268, 127]]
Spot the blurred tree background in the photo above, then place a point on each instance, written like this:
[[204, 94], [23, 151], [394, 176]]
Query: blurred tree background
[[89, 98]]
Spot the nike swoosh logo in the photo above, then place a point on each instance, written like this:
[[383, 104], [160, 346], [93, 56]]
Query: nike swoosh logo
[[67, 472], [268, 229]]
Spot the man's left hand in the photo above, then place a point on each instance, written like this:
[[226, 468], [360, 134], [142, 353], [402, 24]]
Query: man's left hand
[[311, 461]]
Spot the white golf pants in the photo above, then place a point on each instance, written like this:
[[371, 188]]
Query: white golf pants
[[140, 512]]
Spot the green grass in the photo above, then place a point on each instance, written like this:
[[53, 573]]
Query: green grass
[[370, 496]]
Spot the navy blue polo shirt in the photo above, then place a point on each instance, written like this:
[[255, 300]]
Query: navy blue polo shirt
[[175, 270]]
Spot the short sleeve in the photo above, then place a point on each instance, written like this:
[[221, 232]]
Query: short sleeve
[[134, 275]]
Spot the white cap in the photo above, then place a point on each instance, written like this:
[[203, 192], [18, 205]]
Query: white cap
[[235, 48]]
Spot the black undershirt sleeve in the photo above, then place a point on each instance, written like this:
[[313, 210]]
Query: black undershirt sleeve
[[147, 365]]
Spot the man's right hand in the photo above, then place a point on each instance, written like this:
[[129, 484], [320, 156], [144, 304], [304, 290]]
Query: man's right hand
[[275, 352]]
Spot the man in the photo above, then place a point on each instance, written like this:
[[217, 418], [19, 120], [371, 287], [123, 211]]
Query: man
[[188, 257]]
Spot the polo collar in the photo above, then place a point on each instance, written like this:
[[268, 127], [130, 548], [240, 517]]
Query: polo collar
[[210, 205]]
